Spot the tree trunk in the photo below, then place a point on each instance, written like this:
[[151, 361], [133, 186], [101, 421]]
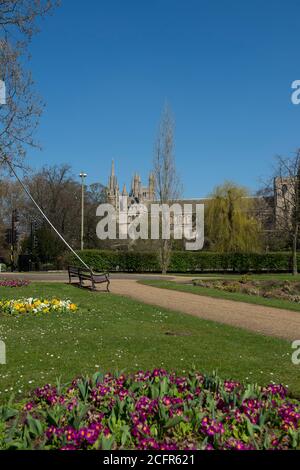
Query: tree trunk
[[165, 255], [295, 239]]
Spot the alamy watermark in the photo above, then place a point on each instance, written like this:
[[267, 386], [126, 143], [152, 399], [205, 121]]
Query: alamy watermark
[[2, 352], [295, 97], [2, 92], [154, 221], [296, 353]]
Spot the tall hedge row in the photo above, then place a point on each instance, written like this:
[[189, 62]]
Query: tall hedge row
[[186, 261]]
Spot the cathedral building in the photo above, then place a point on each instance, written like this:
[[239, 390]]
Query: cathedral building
[[138, 193], [267, 210]]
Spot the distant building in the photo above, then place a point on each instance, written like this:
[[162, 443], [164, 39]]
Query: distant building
[[265, 209], [284, 197], [138, 194]]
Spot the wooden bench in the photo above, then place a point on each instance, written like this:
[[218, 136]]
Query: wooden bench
[[84, 274]]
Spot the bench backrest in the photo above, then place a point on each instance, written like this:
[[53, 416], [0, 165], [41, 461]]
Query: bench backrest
[[84, 271], [73, 270], [90, 272]]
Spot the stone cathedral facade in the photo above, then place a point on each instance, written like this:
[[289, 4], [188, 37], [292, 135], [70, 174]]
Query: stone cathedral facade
[[137, 194], [266, 209]]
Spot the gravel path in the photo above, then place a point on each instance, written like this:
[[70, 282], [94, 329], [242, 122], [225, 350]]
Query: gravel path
[[265, 320]]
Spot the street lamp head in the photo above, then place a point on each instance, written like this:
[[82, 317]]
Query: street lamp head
[[82, 175]]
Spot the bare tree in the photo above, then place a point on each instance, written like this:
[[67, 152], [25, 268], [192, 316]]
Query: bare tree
[[58, 195], [95, 195], [12, 201], [167, 182], [286, 188], [19, 117], [19, 17]]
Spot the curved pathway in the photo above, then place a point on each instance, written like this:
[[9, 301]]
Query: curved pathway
[[260, 319], [265, 320]]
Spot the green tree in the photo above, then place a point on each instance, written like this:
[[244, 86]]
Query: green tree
[[49, 248], [230, 222]]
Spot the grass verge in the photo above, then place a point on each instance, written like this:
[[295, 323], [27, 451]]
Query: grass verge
[[111, 332], [218, 294]]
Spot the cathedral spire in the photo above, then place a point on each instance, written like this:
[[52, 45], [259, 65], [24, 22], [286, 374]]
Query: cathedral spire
[[124, 192], [112, 168], [112, 179]]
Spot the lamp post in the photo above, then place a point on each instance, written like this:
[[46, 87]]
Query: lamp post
[[82, 176]]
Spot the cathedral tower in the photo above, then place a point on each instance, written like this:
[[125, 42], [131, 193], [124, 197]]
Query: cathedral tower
[[113, 187]]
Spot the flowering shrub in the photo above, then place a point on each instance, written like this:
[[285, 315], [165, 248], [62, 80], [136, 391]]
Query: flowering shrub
[[153, 410], [14, 283], [36, 306]]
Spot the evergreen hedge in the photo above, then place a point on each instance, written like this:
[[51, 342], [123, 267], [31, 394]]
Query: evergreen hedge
[[186, 261]]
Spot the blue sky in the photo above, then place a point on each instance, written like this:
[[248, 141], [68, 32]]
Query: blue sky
[[105, 68]]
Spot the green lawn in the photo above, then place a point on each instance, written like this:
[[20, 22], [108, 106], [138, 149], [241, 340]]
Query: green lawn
[[113, 332], [218, 294]]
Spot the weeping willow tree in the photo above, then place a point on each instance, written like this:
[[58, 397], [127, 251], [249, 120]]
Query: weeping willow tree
[[230, 222]]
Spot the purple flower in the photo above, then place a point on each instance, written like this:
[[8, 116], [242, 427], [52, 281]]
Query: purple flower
[[29, 406], [14, 283], [235, 444], [211, 427], [213, 414]]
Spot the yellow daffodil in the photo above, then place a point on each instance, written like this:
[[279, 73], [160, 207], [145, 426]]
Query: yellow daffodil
[[36, 306]]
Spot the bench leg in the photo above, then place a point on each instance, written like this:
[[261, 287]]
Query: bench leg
[[107, 286]]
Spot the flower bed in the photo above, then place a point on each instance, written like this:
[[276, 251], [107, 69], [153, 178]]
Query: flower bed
[[273, 289], [154, 410], [14, 283], [36, 306]]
